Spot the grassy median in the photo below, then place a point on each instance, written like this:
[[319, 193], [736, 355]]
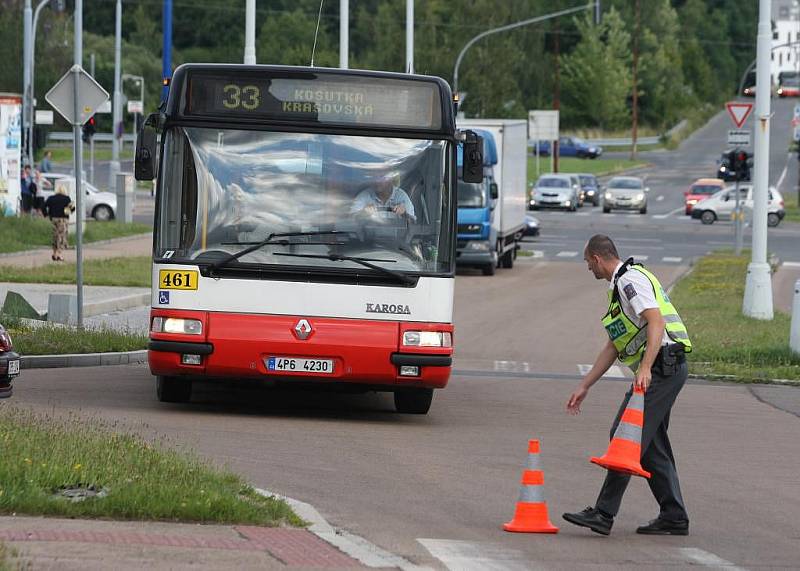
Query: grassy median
[[49, 339], [44, 458], [726, 342], [134, 271], [19, 233]]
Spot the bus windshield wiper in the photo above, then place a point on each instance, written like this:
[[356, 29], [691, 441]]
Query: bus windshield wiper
[[279, 240], [366, 262]]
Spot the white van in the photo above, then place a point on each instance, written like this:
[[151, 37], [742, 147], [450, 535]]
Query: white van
[[720, 205]]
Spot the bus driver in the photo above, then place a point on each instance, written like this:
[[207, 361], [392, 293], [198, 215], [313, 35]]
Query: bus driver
[[385, 197]]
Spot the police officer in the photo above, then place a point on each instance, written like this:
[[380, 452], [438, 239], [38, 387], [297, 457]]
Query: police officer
[[646, 334]]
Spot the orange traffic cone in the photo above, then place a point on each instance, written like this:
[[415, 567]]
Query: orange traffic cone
[[625, 451], [531, 513]]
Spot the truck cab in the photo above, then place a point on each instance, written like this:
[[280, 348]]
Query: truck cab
[[476, 205]]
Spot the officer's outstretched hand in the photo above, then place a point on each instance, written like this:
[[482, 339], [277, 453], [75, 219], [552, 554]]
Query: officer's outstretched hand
[[643, 378], [575, 400]]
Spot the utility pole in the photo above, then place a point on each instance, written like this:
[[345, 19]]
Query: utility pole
[[556, 92], [166, 48], [27, 97], [409, 36], [116, 114], [758, 287], [635, 110], [344, 33], [78, 158], [250, 33], [91, 139], [597, 12]]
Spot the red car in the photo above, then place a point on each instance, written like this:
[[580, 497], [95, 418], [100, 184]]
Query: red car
[[789, 88], [700, 189]]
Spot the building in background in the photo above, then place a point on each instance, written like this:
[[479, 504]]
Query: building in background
[[785, 39]]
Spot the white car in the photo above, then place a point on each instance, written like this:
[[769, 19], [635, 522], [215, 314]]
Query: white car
[[554, 191], [98, 204], [720, 205]]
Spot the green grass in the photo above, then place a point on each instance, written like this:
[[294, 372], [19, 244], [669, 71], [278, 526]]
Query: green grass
[[101, 153], [128, 271], [20, 233], [725, 342], [597, 167], [791, 206], [143, 480], [54, 340]]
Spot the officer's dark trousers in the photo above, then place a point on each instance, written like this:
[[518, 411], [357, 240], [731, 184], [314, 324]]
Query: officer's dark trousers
[[656, 451]]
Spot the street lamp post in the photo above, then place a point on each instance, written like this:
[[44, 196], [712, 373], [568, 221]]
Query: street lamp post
[[30, 91], [511, 27], [140, 80]]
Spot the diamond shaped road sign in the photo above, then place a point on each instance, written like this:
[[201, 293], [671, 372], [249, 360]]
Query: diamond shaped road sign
[[739, 112], [90, 96]]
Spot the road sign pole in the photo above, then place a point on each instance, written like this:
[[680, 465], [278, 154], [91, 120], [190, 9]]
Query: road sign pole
[[758, 287], [738, 226], [78, 154]]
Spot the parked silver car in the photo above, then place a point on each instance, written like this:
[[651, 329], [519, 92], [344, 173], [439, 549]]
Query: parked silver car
[[626, 192], [98, 204], [554, 191]]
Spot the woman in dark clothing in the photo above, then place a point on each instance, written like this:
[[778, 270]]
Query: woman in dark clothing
[[58, 208]]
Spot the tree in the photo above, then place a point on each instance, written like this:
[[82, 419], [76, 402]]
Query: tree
[[596, 76]]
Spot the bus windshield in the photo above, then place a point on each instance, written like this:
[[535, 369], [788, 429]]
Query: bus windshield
[[383, 200]]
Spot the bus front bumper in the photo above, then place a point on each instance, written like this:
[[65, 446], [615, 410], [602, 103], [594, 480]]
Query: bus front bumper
[[366, 352]]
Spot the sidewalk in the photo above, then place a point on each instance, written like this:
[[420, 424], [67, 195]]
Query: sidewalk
[[139, 245], [56, 543]]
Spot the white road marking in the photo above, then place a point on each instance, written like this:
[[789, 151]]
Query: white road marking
[[672, 260], [512, 366], [614, 372], [538, 253], [472, 556], [566, 254], [783, 174], [583, 214], [707, 559], [640, 258], [670, 213], [659, 198], [791, 264], [356, 547]]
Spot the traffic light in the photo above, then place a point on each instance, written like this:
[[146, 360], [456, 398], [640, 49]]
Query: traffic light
[[88, 130], [742, 166]]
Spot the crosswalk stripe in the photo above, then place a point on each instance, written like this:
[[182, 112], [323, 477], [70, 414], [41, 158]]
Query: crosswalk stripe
[[473, 556], [791, 264], [671, 259], [566, 254], [707, 559]]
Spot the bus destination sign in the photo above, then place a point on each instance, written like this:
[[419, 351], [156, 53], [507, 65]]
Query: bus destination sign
[[369, 102]]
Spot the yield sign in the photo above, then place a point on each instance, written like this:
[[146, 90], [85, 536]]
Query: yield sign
[[739, 112]]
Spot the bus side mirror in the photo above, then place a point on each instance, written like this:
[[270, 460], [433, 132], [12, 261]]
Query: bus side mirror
[[494, 191], [145, 166], [473, 158]]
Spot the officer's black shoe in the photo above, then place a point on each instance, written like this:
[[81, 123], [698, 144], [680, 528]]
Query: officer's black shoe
[[592, 518], [664, 527]]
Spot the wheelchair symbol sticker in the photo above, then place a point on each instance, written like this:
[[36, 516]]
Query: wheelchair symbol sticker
[[163, 297]]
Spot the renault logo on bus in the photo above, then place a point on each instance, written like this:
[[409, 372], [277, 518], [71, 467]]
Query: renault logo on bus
[[303, 329]]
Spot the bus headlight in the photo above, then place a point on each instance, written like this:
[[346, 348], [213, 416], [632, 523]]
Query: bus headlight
[[177, 325], [427, 339]]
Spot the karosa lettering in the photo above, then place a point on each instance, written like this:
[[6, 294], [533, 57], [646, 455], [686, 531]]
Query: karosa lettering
[[388, 308], [326, 108]]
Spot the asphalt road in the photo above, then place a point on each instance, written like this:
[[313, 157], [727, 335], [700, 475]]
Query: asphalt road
[[665, 235], [435, 489]]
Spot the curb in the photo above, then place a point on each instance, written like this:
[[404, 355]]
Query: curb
[[83, 360], [117, 304], [713, 378], [358, 548]]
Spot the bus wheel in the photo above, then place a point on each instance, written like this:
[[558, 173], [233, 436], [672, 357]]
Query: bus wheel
[[413, 401], [173, 389]]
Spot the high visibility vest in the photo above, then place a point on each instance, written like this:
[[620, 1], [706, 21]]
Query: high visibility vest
[[629, 340]]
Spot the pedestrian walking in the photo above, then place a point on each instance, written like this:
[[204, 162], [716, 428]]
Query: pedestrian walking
[[47, 165], [646, 334], [58, 207], [27, 189]]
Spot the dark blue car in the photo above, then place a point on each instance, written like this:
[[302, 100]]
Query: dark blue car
[[571, 147]]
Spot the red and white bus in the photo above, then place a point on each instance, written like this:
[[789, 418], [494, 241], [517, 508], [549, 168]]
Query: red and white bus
[[304, 229]]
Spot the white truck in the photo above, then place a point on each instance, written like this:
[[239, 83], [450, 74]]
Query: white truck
[[510, 174]]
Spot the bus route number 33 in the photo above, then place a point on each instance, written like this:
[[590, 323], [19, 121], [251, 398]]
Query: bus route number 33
[[177, 279], [247, 97]]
